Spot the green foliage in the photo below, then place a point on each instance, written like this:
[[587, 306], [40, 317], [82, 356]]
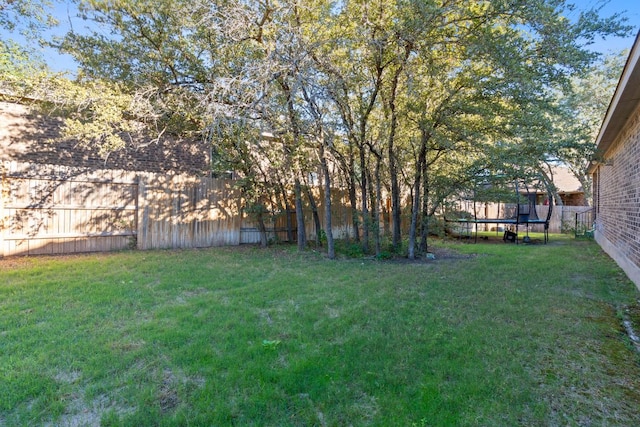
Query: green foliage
[[323, 237], [432, 93], [97, 113], [17, 67], [582, 110], [385, 255], [21, 62], [27, 17], [271, 345], [436, 226], [349, 248]]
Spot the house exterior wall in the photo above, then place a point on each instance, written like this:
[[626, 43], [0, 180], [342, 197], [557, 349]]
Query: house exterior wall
[[617, 199], [25, 138], [573, 199]]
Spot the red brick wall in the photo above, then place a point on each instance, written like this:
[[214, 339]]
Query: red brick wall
[[24, 135], [617, 192]]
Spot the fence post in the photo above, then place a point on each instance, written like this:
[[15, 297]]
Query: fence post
[[3, 179], [142, 215]]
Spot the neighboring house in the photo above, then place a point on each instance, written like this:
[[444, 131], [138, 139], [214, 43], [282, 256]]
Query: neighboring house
[[616, 172], [24, 136], [569, 188], [61, 197]]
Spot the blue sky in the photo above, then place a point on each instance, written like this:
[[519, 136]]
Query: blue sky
[[632, 13], [65, 14]]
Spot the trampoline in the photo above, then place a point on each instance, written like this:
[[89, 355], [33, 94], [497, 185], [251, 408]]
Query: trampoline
[[522, 214]]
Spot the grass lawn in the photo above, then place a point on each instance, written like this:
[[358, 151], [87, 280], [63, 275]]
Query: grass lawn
[[488, 334]]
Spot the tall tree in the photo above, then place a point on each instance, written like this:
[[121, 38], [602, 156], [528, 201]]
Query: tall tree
[[410, 89], [21, 61], [581, 112]]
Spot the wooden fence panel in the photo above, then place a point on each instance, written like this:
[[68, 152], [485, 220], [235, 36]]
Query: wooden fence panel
[[186, 213], [47, 216], [341, 214], [565, 220], [276, 223]]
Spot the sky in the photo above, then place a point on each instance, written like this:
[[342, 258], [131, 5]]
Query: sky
[[65, 14], [631, 10]]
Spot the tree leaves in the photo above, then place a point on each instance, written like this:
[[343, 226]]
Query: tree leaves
[[475, 83]]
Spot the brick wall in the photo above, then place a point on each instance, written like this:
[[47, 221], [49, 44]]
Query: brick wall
[[617, 192], [24, 135]]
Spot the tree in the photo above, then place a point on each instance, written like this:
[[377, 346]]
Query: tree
[[414, 97], [26, 19], [20, 58], [582, 111]]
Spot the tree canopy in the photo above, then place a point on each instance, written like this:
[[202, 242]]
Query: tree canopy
[[406, 98], [23, 22]]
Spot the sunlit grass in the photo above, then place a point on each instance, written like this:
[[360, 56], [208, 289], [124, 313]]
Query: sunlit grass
[[488, 334]]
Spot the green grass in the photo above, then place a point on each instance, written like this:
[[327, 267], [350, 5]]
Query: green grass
[[492, 335]]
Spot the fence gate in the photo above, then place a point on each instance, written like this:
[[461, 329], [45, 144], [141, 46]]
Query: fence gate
[[43, 216]]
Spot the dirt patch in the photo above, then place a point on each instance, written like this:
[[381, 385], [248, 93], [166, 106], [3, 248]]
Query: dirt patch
[[14, 262], [449, 254], [168, 397], [631, 322], [434, 255], [80, 413]]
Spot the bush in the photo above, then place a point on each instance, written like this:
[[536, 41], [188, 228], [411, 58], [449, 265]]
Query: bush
[[385, 255]]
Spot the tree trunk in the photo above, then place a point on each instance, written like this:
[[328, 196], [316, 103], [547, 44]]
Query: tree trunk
[[393, 164], [395, 199], [376, 208], [548, 182], [393, 168], [262, 228], [331, 252], [289, 153], [363, 195], [414, 216], [302, 237], [287, 208], [424, 246], [586, 188], [415, 207], [352, 195], [316, 217]]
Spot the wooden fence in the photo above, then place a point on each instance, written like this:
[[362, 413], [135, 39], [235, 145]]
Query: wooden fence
[[277, 223], [45, 216], [188, 213], [88, 212], [50, 216], [565, 220]]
